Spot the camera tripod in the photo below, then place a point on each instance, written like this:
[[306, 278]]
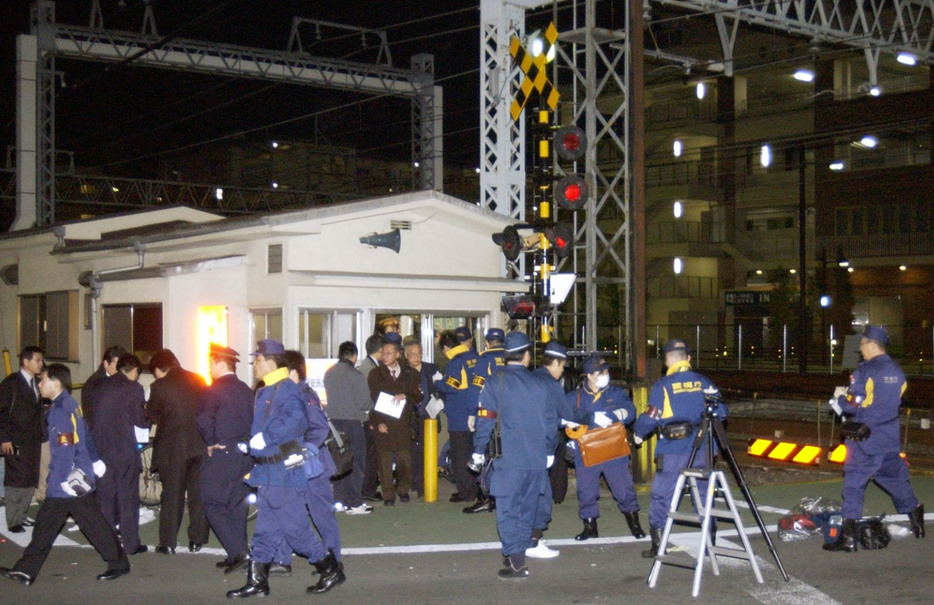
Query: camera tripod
[[712, 430]]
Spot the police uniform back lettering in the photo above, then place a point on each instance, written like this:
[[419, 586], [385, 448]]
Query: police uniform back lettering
[[677, 402]]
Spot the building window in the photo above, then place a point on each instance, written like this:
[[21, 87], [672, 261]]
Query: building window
[[267, 323], [321, 332], [50, 321], [274, 258], [137, 327]]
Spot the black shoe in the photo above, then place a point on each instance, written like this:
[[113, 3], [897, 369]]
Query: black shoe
[[20, 576], [389, 502], [16, 529], [483, 505], [376, 497], [656, 536], [632, 519], [404, 498], [257, 582], [239, 562], [459, 498], [590, 530], [113, 574], [846, 540], [330, 571], [194, 546], [916, 518], [139, 550], [29, 522], [223, 564], [280, 569], [165, 550], [508, 573]]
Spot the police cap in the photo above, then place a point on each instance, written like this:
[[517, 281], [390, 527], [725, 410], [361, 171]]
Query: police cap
[[555, 349], [268, 346], [217, 350], [594, 363], [676, 344], [516, 342], [877, 333]]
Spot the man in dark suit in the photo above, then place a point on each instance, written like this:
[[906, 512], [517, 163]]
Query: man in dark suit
[[177, 450], [426, 370], [224, 420], [107, 369], [21, 435], [119, 403]]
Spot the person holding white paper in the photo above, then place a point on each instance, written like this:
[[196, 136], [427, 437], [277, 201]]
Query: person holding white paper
[[395, 390]]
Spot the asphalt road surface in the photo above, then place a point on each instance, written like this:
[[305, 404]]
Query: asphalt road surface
[[433, 553]]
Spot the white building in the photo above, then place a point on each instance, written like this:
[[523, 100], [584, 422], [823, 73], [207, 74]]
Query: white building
[[179, 278]]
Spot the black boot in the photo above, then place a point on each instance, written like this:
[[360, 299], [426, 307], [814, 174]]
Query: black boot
[[590, 530], [257, 582], [331, 572], [916, 517], [652, 551], [846, 541], [634, 528]]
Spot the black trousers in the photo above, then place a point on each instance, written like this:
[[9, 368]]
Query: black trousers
[[371, 470], [49, 522], [118, 497], [461, 449], [178, 479]]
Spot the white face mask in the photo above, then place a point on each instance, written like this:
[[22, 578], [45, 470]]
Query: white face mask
[[603, 381]]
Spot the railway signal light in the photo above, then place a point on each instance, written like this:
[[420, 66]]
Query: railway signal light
[[571, 192], [510, 242], [561, 237], [520, 306], [570, 143]]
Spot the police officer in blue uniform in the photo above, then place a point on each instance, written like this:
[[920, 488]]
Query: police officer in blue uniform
[[677, 403], [69, 493], [525, 407], [460, 404], [224, 419], [603, 404], [319, 497], [491, 360], [119, 405], [873, 399], [279, 425]]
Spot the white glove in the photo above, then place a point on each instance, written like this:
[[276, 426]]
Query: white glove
[[549, 460], [637, 439], [601, 419], [573, 425], [476, 462], [257, 442], [621, 413], [67, 489], [471, 423], [437, 376], [835, 405], [100, 468], [840, 392]]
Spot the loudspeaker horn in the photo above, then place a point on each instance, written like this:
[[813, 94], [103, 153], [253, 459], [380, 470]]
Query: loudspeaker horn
[[391, 240]]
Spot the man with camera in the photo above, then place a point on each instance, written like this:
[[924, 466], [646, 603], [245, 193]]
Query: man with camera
[[870, 406], [677, 402]]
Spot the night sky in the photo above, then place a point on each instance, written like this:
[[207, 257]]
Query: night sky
[[122, 120]]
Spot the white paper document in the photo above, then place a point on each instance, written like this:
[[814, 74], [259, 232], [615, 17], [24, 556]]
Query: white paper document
[[434, 407], [142, 435], [386, 405]]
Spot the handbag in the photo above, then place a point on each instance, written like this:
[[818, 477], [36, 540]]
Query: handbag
[[600, 445], [339, 447]]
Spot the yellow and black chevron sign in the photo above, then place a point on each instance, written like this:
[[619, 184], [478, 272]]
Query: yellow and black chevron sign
[[536, 77]]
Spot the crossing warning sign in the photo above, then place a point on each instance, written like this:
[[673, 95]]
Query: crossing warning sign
[[536, 78]]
